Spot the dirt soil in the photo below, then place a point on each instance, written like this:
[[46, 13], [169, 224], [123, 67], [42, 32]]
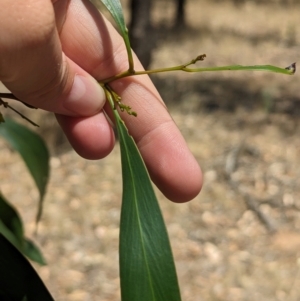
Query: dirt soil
[[239, 240]]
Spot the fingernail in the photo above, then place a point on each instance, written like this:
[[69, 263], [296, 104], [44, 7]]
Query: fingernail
[[86, 97]]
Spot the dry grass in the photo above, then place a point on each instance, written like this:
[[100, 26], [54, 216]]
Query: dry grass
[[242, 128]]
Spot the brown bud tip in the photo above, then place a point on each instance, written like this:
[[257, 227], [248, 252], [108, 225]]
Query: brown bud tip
[[201, 57], [292, 68]]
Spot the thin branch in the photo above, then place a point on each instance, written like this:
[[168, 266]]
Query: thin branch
[[9, 96], [12, 96], [6, 105]]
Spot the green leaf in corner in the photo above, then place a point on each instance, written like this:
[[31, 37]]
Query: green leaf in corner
[[147, 269], [33, 151], [115, 9], [18, 280], [10, 223], [11, 227]]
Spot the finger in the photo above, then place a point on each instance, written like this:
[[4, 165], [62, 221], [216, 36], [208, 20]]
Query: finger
[[91, 137], [171, 165], [32, 65]]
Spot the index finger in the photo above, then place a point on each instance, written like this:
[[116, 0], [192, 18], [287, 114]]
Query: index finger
[[91, 41]]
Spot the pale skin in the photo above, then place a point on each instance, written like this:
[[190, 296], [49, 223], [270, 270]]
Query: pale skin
[[51, 52]]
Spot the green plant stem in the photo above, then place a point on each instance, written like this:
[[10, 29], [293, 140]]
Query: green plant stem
[[129, 53], [289, 70], [109, 96]]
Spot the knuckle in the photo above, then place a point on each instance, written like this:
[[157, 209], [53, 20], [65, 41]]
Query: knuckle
[[27, 23]]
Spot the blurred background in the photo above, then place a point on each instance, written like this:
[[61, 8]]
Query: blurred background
[[239, 240]]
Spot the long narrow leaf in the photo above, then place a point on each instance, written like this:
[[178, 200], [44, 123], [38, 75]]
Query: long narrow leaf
[[147, 269], [115, 9], [33, 151], [18, 280]]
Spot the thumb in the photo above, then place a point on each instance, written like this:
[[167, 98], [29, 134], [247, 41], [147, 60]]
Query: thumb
[[33, 67]]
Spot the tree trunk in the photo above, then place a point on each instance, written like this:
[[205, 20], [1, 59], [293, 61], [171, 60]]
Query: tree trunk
[[140, 30], [180, 13]]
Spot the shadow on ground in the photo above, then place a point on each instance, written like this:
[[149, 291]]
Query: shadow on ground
[[214, 94]]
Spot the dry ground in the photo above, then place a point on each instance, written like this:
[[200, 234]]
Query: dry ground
[[239, 239]]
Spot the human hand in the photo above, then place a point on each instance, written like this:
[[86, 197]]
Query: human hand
[[50, 53]]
